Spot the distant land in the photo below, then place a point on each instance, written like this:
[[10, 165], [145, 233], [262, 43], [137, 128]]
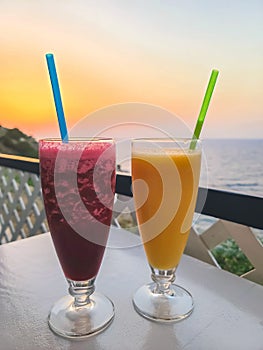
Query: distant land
[[14, 141]]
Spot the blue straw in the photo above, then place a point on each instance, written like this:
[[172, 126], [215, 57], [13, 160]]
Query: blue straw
[[57, 96]]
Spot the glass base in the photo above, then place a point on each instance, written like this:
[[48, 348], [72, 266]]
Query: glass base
[[72, 321], [173, 306]]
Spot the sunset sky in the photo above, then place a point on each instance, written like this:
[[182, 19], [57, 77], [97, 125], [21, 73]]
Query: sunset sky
[[147, 51]]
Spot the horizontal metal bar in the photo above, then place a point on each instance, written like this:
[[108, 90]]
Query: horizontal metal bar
[[30, 165], [123, 185], [240, 208]]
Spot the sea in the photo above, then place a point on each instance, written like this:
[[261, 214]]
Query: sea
[[233, 165]]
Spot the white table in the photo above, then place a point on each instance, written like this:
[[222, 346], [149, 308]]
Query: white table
[[228, 310]]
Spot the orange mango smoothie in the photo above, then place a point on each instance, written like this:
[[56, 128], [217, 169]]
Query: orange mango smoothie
[[165, 186]]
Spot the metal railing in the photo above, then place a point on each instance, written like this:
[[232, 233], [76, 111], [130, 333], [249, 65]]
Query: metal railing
[[21, 206], [22, 212]]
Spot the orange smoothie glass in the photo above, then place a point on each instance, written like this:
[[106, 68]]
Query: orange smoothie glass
[[165, 177]]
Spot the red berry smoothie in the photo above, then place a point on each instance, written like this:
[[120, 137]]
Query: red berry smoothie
[[78, 183]]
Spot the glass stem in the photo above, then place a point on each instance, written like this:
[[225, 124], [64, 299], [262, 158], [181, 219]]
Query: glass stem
[[163, 280], [81, 291]]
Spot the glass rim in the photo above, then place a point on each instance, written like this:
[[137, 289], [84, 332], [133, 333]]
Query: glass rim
[[164, 139], [77, 139]]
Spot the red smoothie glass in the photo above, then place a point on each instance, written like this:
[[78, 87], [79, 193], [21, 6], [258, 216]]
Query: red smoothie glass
[[78, 184]]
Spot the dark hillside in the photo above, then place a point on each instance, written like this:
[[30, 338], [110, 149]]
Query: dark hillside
[[14, 141]]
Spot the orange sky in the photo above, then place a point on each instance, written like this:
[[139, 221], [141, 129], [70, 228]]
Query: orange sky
[[161, 53]]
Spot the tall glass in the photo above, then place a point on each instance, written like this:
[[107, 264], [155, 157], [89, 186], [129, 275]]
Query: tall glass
[[165, 176], [78, 182]]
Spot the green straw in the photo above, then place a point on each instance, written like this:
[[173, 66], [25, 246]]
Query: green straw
[[202, 114]]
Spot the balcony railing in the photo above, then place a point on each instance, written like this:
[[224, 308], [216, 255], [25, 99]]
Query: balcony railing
[[22, 213]]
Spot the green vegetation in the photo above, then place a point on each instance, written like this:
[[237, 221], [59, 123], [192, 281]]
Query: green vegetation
[[231, 258]]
